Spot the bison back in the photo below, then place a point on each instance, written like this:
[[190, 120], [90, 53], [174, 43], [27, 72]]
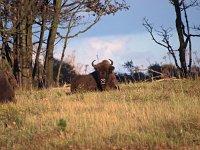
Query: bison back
[[83, 83]]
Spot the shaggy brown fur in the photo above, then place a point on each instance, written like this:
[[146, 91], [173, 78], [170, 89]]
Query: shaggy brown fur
[[7, 85], [83, 83], [112, 83]]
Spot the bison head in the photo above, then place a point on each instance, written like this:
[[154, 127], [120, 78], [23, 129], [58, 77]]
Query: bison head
[[104, 69]]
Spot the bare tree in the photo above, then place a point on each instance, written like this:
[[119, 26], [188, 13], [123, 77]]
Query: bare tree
[[42, 23], [184, 35]]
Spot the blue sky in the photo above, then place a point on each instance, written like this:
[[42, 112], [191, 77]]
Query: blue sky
[[122, 37]]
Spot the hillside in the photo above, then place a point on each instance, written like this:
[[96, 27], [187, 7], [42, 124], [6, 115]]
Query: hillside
[[157, 115]]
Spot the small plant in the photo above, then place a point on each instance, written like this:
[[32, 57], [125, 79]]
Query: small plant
[[62, 124], [59, 94]]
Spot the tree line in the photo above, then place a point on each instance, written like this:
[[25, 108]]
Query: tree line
[[153, 72]]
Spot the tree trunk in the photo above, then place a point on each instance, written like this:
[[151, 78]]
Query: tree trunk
[[63, 51], [26, 47], [182, 46], [3, 36], [36, 64], [24, 70], [29, 47], [50, 44], [188, 36], [16, 40], [61, 61]]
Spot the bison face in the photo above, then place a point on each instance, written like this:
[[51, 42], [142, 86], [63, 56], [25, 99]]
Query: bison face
[[104, 72], [104, 69]]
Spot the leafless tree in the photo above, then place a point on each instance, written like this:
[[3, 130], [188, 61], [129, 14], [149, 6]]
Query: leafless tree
[[183, 32]]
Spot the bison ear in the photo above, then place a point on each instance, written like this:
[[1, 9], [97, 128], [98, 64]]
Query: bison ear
[[111, 68], [95, 68]]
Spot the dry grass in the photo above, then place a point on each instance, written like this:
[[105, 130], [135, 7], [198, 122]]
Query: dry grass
[[162, 115]]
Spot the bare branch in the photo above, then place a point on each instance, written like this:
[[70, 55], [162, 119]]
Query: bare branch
[[82, 31], [164, 33], [193, 3], [149, 28]]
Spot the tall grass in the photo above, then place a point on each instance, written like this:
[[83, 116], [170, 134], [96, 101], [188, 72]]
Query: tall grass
[[158, 115]]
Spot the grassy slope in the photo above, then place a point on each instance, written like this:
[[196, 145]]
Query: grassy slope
[[159, 115]]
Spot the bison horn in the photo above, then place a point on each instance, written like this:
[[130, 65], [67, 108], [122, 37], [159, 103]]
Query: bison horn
[[111, 61], [93, 63]]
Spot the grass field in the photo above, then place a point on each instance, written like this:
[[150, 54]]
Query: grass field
[[157, 115]]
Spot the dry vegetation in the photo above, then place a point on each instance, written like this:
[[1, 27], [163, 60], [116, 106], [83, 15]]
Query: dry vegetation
[[158, 115]]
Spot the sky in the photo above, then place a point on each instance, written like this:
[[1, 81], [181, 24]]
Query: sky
[[122, 37]]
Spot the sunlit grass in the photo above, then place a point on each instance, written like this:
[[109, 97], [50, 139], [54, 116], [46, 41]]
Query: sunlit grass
[[158, 115]]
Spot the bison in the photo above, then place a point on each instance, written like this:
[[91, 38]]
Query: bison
[[7, 85], [101, 79]]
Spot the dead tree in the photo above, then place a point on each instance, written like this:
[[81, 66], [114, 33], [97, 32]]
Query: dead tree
[[183, 32]]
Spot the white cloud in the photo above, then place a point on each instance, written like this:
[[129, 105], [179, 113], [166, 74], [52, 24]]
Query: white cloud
[[106, 47], [139, 48]]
